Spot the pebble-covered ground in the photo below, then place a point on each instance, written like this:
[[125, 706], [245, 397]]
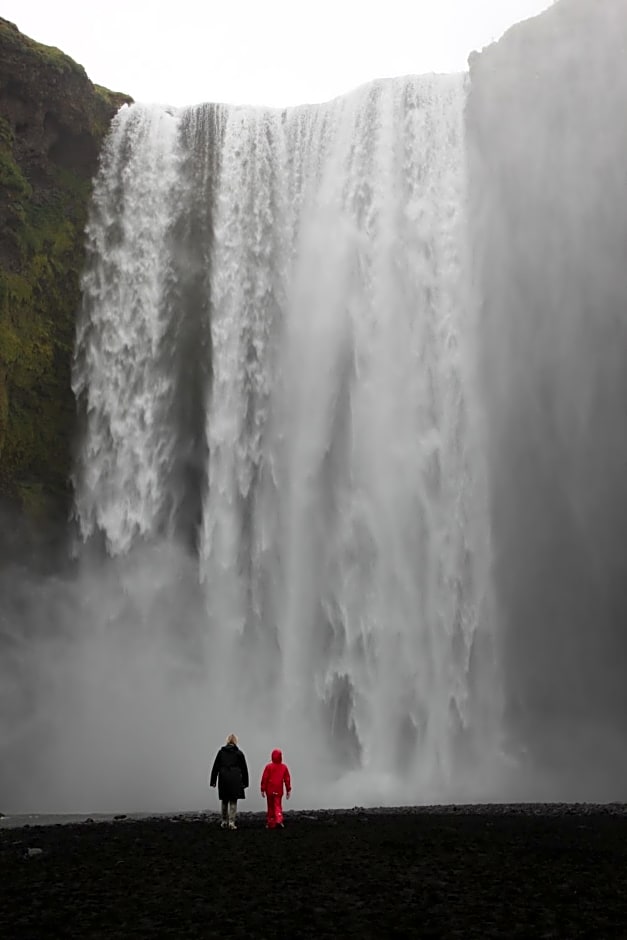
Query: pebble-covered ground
[[459, 872]]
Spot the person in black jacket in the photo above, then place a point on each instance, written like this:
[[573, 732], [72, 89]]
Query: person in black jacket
[[230, 771]]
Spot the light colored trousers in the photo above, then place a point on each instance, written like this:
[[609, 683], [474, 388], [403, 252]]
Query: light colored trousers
[[229, 811]]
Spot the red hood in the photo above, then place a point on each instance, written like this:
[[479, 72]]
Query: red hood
[[277, 756]]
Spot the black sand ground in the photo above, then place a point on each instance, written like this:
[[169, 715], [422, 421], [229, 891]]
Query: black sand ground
[[510, 871]]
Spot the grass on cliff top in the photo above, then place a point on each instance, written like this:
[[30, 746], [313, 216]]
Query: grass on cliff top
[[112, 98], [51, 56]]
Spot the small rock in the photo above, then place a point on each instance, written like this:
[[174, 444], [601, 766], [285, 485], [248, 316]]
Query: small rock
[[120, 816], [89, 819], [31, 853]]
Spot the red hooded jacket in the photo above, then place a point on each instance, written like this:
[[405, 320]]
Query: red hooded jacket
[[275, 774]]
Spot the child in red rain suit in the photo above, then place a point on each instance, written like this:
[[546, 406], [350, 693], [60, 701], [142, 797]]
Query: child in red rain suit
[[275, 774]]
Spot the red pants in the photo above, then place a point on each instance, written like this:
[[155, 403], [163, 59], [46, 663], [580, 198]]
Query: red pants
[[274, 816]]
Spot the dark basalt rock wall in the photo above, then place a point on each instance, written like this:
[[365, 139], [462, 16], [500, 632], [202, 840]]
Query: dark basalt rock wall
[[52, 123], [547, 145]]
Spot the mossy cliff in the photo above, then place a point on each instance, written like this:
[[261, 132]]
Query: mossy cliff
[[52, 124]]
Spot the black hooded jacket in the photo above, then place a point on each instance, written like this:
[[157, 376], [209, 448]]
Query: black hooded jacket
[[231, 772]]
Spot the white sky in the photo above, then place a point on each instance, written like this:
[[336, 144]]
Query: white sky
[[277, 52]]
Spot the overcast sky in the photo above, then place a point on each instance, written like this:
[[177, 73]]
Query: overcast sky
[[277, 52]]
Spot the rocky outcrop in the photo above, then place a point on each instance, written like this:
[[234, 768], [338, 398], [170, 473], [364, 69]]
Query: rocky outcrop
[[52, 123], [547, 146]]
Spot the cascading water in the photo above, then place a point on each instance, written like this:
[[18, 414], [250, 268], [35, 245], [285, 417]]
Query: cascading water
[[274, 365], [126, 457]]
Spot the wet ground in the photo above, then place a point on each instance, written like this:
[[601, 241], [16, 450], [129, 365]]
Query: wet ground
[[459, 872]]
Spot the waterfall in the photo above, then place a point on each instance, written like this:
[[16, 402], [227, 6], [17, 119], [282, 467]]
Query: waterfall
[[275, 369]]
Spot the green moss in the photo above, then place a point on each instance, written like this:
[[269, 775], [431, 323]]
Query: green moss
[[6, 132], [4, 408], [36, 338], [41, 258], [43, 211], [11, 177], [110, 101], [14, 288], [36, 334], [50, 56], [106, 96], [10, 345]]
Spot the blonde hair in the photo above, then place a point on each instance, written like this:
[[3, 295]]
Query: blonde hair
[[232, 739]]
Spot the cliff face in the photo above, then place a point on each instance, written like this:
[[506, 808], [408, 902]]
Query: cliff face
[[547, 146], [52, 123]]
